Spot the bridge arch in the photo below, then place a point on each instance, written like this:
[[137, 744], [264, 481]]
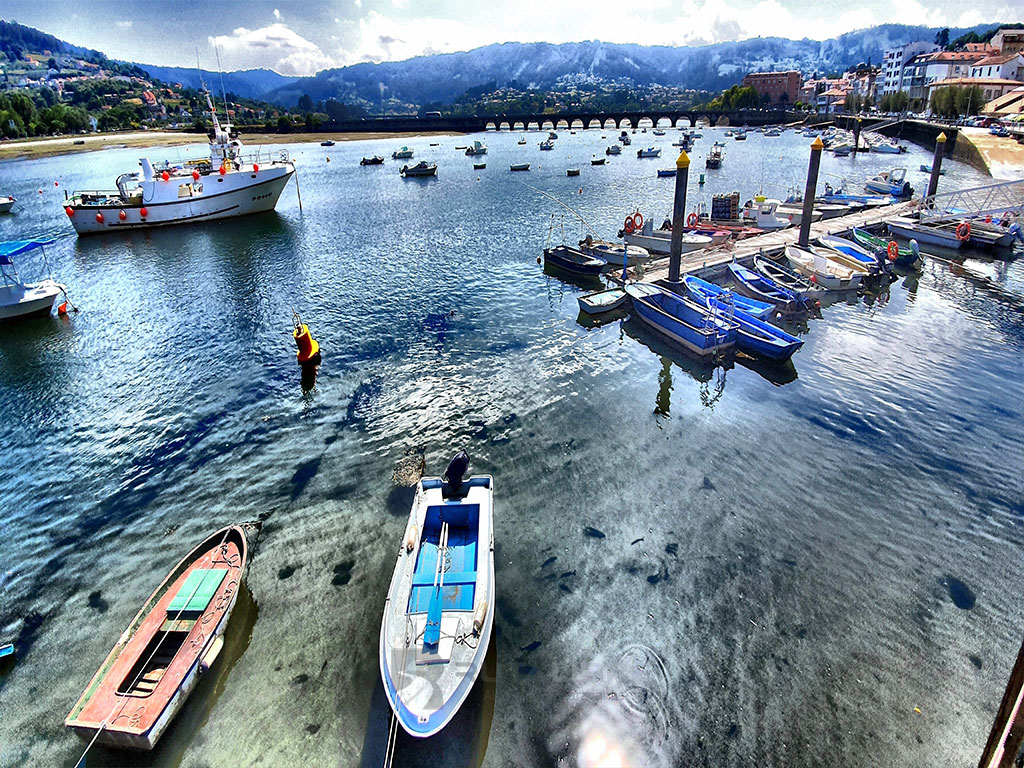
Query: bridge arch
[[625, 123], [547, 125], [562, 125], [609, 124], [594, 123], [504, 126], [533, 125], [518, 125], [645, 122], [490, 126], [577, 123]]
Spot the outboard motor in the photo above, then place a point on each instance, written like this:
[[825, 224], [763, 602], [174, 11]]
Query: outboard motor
[[453, 475]]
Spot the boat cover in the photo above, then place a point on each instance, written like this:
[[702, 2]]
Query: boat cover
[[18, 247]]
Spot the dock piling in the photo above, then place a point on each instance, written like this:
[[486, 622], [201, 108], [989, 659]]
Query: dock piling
[[810, 191], [940, 150], [856, 135], [678, 215]]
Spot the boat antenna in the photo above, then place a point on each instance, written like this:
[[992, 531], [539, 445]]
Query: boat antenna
[[220, 70], [570, 210], [209, 98]]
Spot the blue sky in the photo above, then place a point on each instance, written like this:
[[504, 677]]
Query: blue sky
[[299, 38]]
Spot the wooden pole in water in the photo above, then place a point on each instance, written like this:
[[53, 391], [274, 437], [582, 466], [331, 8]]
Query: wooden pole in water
[[810, 191], [297, 191], [678, 216], [940, 150], [1004, 741], [856, 136]]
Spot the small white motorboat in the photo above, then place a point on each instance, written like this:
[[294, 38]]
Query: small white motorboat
[[6, 203], [476, 148], [521, 140], [402, 154], [614, 149], [658, 242], [19, 299], [422, 168], [439, 612], [614, 253], [762, 214], [600, 302], [649, 152]]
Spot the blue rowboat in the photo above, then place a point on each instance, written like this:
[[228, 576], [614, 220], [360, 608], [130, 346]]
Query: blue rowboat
[[755, 336], [693, 326], [853, 255], [439, 614], [666, 172], [756, 286], [574, 261], [702, 290]]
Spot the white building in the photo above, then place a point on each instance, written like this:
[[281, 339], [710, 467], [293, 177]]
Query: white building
[[893, 62], [1004, 67]]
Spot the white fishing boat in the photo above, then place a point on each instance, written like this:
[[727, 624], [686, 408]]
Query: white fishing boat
[[522, 140], [227, 184], [658, 242], [658, 131], [614, 253], [405, 153], [6, 203], [19, 299], [439, 612], [763, 215], [476, 148], [823, 271], [422, 168], [649, 152]]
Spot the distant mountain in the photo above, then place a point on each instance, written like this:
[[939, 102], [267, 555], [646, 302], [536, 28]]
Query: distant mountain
[[444, 77], [251, 83]]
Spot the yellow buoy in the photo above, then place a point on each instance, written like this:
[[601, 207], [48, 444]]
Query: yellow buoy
[[308, 348]]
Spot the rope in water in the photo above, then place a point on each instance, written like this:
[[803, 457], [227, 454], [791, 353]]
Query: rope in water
[[120, 700]]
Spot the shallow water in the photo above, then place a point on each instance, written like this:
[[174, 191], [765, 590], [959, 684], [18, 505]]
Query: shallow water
[[748, 568]]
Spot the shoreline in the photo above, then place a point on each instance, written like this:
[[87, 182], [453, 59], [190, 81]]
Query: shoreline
[[998, 156], [24, 149]]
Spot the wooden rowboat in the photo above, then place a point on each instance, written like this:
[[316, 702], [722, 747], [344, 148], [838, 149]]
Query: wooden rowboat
[[177, 636]]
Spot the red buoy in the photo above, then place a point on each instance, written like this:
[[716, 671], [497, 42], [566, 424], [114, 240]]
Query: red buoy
[[195, 175], [255, 168], [144, 212], [62, 308], [99, 218], [165, 176], [56, 184], [69, 211], [223, 170], [122, 215]]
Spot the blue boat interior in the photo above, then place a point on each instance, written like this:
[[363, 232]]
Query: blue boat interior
[[460, 575]]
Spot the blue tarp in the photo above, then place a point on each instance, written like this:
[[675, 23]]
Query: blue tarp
[[18, 247]]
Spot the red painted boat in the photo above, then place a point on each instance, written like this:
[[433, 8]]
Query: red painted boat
[[176, 636]]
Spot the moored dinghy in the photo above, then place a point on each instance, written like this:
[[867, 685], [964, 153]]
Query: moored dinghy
[[439, 612], [178, 633], [574, 261], [756, 286], [19, 299], [702, 290], [753, 335], [853, 255], [694, 326], [599, 302], [819, 269]]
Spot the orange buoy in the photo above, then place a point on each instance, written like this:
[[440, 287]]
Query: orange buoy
[[62, 308], [122, 215], [308, 348], [628, 225], [165, 176], [894, 250], [255, 168], [638, 221], [963, 231], [691, 220], [195, 175], [143, 212], [222, 170], [99, 218], [69, 211]]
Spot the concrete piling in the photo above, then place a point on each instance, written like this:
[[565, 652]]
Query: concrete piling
[[678, 216], [810, 191]]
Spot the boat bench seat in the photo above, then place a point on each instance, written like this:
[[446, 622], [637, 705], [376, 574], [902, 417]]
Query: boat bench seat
[[196, 593], [450, 579]]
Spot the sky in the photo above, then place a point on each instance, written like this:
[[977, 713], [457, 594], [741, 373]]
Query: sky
[[300, 38]]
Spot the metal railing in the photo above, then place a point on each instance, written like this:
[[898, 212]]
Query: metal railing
[[994, 199]]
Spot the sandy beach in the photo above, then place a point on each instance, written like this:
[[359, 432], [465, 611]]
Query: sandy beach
[[62, 145]]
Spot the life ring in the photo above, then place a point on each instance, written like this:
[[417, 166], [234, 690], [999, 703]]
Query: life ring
[[628, 225], [963, 230], [638, 220], [691, 220], [894, 250]]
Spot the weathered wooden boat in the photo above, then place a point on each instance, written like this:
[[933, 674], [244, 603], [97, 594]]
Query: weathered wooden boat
[[754, 336], [823, 271], [762, 288], [695, 327], [944, 237], [613, 253], [519, 167], [702, 291], [787, 277], [18, 299], [422, 168], [375, 160], [439, 612], [574, 261], [854, 256], [177, 636], [599, 302]]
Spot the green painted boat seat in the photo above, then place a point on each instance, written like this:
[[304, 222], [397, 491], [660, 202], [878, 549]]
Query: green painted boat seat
[[198, 590]]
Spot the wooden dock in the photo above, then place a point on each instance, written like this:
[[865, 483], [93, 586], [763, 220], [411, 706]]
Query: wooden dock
[[711, 261]]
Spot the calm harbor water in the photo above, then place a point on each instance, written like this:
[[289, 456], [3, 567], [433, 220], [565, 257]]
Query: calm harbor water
[[694, 566]]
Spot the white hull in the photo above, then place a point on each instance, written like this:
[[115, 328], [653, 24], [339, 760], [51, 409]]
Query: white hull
[[6, 203], [214, 196], [661, 246], [20, 301]]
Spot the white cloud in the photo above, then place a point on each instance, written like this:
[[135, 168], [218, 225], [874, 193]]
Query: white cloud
[[277, 14], [277, 47], [125, 24]]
